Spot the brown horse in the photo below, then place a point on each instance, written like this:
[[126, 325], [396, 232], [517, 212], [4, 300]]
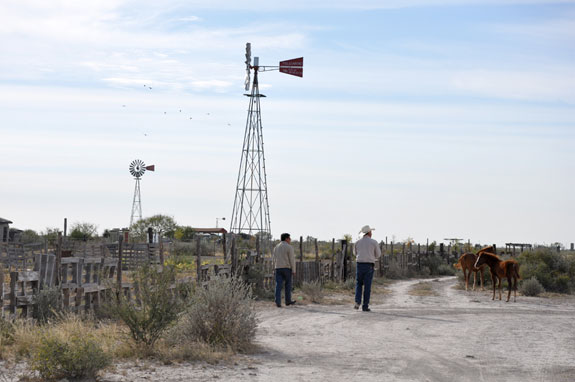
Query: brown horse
[[466, 264], [499, 269]]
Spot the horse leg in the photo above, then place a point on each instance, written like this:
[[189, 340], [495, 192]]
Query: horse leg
[[514, 289], [494, 280], [466, 277], [482, 278], [500, 284], [508, 288], [474, 278]]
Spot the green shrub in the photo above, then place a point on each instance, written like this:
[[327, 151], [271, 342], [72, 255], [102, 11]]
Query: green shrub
[[156, 306], [313, 290], [69, 350], [6, 331], [531, 287], [445, 270], [349, 284], [433, 262], [554, 270], [395, 271], [222, 314], [48, 304]]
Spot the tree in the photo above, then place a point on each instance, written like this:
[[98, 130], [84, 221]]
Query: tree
[[348, 237], [30, 236], [83, 231], [184, 233], [50, 235], [162, 225]]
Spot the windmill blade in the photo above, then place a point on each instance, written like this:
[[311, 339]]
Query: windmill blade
[[247, 81], [292, 67], [248, 65], [248, 55], [151, 167]]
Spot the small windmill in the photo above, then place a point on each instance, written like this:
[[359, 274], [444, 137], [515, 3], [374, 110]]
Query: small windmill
[[137, 169], [251, 208]]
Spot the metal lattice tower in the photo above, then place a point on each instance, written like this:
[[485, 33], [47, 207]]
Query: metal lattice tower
[[251, 207], [136, 204], [251, 213], [137, 169]]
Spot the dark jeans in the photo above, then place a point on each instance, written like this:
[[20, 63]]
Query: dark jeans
[[283, 275], [363, 278]]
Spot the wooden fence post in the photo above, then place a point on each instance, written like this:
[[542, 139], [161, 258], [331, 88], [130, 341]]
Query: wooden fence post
[[233, 256], [59, 259], [199, 260], [381, 259], [161, 249], [224, 246], [316, 252], [119, 267], [332, 269], [301, 249], [13, 283], [419, 256]]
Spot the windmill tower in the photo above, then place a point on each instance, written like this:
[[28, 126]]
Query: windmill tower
[[137, 169], [251, 213]]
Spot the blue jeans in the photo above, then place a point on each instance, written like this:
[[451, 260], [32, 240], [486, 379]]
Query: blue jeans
[[283, 275], [363, 278]]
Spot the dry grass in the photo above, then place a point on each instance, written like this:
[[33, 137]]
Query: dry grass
[[424, 288]]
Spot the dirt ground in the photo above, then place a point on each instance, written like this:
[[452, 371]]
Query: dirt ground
[[445, 335]]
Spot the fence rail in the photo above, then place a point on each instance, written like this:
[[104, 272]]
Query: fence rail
[[87, 273]]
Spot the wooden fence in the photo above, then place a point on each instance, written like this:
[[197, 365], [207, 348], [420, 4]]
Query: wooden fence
[[87, 273]]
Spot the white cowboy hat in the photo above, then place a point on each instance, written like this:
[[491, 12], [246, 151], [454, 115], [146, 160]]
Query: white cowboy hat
[[366, 229]]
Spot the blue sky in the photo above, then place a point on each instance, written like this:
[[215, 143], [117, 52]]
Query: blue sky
[[425, 119]]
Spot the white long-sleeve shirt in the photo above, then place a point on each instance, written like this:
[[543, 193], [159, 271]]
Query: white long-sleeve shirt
[[367, 250]]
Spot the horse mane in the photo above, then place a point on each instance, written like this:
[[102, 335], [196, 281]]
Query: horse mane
[[488, 249], [488, 254]]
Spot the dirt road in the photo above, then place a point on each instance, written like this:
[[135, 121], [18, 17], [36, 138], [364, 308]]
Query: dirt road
[[454, 336]]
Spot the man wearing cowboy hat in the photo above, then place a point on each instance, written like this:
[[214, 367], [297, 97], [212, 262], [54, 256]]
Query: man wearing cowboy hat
[[367, 252]]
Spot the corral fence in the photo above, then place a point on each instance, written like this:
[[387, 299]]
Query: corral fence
[[338, 262], [84, 274], [87, 273]]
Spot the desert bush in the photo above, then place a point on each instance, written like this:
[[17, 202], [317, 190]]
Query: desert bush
[[554, 270], [531, 287], [156, 308], [69, 349], [48, 304], [25, 338], [445, 270], [6, 331], [395, 271], [349, 284], [6, 335], [222, 314], [255, 276], [425, 271], [313, 290]]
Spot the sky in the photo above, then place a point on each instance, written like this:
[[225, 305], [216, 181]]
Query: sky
[[426, 119]]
